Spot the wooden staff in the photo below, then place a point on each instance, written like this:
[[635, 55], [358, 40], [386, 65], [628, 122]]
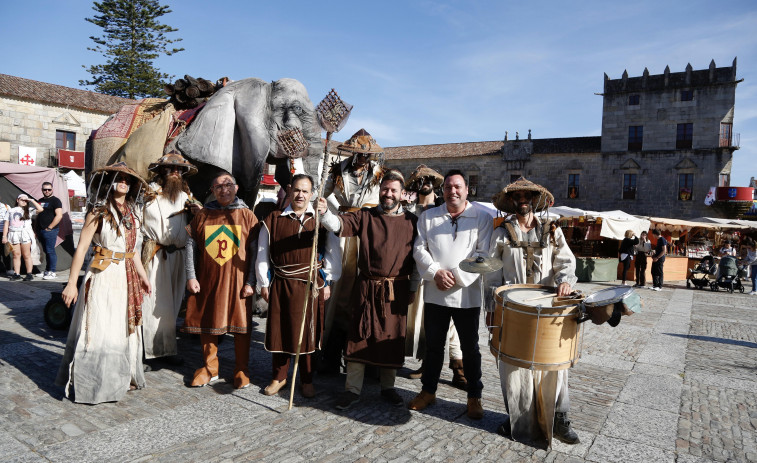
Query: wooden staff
[[335, 119]]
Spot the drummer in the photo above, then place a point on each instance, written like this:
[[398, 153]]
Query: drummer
[[532, 250]]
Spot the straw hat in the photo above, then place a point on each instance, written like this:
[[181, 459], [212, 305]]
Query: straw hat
[[361, 142], [173, 159], [423, 171], [119, 167], [541, 200]]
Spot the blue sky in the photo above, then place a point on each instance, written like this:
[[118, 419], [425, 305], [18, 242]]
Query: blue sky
[[423, 72]]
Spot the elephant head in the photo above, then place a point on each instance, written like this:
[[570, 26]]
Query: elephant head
[[237, 129]]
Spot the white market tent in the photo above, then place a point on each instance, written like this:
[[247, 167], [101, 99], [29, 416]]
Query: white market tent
[[614, 223], [75, 183]]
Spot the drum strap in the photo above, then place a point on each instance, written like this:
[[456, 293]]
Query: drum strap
[[528, 246]]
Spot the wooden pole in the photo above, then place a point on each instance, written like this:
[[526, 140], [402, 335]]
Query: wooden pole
[[312, 279]]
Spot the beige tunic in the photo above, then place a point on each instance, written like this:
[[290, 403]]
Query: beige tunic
[[166, 272]]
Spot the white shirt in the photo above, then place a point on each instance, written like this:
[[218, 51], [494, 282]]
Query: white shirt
[[332, 259], [440, 245]]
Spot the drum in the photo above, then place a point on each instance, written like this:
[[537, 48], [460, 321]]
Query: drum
[[601, 306], [532, 328]]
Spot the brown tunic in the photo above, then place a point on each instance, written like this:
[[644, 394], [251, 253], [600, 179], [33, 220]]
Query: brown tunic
[[222, 237], [290, 249], [377, 327]]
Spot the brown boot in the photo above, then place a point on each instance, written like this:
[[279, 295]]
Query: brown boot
[[458, 374], [475, 409], [209, 372], [242, 360], [422, 400]]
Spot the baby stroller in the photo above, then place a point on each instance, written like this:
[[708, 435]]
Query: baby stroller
[[728, 276], [703, 274]]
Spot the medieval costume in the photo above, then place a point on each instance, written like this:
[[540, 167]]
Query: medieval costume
[[103, 356], [165, 222], [221, 239], [534, 399], [349, 189], [283, 261]]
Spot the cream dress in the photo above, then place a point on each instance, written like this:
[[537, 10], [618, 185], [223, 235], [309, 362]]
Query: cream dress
[[102, 359]]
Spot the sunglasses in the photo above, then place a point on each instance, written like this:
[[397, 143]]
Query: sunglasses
[[47, 189]]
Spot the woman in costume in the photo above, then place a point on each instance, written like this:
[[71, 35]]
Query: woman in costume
[[103, 357]]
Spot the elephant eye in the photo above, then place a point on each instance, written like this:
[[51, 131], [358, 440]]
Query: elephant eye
[[297, 109]]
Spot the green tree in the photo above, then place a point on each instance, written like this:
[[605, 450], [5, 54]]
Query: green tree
[[132, 39]]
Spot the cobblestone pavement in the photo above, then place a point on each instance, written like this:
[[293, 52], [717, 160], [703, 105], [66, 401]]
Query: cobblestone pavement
[[677, 382]]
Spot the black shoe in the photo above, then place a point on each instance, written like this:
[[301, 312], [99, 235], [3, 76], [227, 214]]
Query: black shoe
[[347, 400], [562, 430], [15, 277], [28, 277], [504, 428], [391, 396]]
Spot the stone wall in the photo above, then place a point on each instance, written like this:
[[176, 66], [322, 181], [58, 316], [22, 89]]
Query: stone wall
[[33, 124], [601, 178]]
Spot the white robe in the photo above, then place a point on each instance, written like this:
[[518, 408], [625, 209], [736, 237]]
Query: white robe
[[102, 359], [168, 275], [532, 396]]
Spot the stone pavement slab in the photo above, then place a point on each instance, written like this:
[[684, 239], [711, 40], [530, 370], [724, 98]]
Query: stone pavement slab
[[677, 382]]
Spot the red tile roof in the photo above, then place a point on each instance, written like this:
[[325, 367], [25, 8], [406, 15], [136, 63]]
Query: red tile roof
[[42, 92], [446, 150]]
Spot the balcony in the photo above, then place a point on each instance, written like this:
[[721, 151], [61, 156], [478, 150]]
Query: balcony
[[730, 142]]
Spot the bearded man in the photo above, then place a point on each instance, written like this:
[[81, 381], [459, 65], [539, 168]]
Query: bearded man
[[352, 184], [423, 181], [163, 252], [532, 251], [386, 282]]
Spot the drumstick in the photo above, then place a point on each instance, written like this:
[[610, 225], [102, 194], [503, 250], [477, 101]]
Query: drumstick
[[540, 297]]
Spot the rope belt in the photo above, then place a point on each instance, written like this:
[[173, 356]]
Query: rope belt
[[386, 283], [104, 257], [355, 209], [529, 247], [294, 271]]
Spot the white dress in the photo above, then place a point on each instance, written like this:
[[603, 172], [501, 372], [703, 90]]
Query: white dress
[[102, 359], [166, 273]]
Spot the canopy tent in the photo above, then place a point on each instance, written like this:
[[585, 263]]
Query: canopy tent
[[75, 184], [16, 179], [727, 223], [614, 223]]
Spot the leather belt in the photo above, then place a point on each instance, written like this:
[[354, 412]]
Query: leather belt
[[104, 257]]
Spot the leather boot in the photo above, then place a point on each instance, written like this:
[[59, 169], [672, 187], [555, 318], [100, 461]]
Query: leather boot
[[242, 360], [209, 372], [562, 430], [458, 374]]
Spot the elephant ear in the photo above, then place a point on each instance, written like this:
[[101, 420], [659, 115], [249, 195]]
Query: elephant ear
[[230, 131]]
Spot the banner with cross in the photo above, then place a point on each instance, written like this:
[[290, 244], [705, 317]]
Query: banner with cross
[[27, 156]]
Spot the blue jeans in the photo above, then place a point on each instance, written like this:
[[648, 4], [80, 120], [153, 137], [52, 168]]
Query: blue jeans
[[48, 239], [753, 276], [436, 323]]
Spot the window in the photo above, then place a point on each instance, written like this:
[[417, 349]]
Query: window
[[685, 187], [473, 185], [635, 137], [726, 130], [724, 180], [687, 95], [65, 140], [629, 186], [633, 100], [573, 184], [684, 135]]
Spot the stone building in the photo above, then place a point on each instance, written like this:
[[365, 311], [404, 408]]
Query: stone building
[[666, 139], [47, 117]]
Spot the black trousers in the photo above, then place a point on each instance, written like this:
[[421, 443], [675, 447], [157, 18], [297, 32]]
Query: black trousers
[[657, 273]]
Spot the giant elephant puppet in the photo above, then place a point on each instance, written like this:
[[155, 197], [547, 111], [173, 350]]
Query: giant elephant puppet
[[237, 131]]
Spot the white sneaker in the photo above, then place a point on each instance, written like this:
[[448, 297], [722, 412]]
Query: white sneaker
[[49, 276], [656, 288], [753, 293]]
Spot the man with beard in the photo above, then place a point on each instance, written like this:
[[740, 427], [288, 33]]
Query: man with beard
[[423, 181], [385, 287], [163, 250], [447, 234], [284, 247], [351, 185], [221, 278], [532, 251]]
